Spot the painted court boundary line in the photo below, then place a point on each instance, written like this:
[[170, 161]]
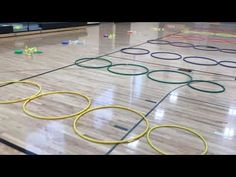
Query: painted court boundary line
[[16, 147]]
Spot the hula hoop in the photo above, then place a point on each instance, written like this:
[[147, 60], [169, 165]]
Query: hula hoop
[[207, 91], [145, 51], [55, 117], [232, 51], [21, 99], [206, 48], [178, 127], [162, 58], [127, 74], [93, 67], [220, 63], [158, 41], [181, 44], [203, 64], [170, 71], [110, 141]]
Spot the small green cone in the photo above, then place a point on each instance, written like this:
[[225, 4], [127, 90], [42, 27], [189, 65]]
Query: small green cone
[[18, 51], [38, 52]]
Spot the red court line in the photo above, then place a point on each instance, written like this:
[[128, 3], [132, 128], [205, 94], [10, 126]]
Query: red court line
[[214, 30], [200, 38], [194, 38], [191, 38]]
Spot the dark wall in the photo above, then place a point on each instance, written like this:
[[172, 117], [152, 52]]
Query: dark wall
[[55, 25], [6, 29]]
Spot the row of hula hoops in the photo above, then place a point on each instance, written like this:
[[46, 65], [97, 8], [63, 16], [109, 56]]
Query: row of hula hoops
[[189, 45], [145, 71], [176, 56], [147, 132]]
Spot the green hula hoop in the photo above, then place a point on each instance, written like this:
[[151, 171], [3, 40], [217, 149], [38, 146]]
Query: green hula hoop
[[207, 91], [127, 74], [170, 71], [92, 67]]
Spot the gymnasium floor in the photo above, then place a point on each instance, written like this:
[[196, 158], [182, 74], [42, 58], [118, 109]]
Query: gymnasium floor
[[212, 115]]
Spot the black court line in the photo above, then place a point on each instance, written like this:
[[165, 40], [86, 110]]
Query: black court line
[[30, 77], [124, 58], [158, 103], [121, 128], [14, 146], [151, 101], [22, 70], [185, 70]]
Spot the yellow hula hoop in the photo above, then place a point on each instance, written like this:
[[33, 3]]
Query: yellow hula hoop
[[55, 117], [110, 141], [21, 99], [178, 127]]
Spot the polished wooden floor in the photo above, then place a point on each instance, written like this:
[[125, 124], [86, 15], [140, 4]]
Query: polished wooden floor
[[212, 115]]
